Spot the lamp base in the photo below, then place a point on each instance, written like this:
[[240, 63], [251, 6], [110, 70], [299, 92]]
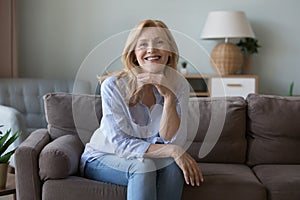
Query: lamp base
[[226, 58]]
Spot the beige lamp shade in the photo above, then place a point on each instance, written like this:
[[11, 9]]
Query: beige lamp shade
[[226, 58], [226, 24]]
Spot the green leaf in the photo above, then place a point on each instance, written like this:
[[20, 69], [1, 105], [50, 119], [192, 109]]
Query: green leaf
[[248, 46], [4, 138], [13, 138], [5, 141], [5, 158], [291, 89]]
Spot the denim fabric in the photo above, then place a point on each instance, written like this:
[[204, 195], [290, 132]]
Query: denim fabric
[[149, 179]]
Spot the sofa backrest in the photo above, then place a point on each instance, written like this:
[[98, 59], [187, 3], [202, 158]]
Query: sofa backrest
[[25, 95], [72, 114], [273, 129], [220, 132]]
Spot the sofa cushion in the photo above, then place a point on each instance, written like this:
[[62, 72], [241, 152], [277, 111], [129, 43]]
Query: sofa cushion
[[273, 129], [226, 181], [281, 181], [60, 158], [80, 188], [221, 120], [72, 114]]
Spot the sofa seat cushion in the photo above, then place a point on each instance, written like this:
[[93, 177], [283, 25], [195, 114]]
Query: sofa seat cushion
[[281, 181], [273, 129], [80, 188], [226, 181], [72, 114]]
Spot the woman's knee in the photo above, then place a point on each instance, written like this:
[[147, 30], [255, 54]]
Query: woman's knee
[[144, 166], [173, 170]]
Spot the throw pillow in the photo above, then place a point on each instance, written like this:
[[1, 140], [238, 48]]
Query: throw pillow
[[60, 158], [72, 114]]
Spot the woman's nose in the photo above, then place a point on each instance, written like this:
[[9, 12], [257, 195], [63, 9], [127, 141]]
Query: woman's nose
[[151, 48]]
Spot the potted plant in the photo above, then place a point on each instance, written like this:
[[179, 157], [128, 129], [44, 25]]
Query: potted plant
[[5, 141], [248, 46], [183, 69]]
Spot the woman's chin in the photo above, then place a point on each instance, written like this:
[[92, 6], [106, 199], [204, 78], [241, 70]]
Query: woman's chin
[[154, 68]]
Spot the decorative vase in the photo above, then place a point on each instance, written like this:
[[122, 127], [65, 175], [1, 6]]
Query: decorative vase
[[3, 174]]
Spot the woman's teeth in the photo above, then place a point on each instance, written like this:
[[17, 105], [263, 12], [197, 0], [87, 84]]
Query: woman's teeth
[[152, 58]]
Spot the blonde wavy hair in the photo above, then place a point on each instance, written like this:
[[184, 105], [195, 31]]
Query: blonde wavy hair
[[129, 60]]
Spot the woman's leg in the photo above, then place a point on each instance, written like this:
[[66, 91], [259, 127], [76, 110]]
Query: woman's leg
[[138, 176], [170, 180]]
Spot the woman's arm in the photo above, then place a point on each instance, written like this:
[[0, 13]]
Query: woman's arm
[[191, 171], [170, 120], [175, 90]]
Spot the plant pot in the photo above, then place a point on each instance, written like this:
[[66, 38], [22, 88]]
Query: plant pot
[[3, 175]]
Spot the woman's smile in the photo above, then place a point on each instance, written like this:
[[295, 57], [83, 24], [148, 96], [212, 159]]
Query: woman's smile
[[153, 58]]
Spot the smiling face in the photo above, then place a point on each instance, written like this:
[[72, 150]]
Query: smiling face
[[152, 50]]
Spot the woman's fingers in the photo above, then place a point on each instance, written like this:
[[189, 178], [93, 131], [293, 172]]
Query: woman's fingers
[[158, 80], [186, 176], [191, 170], [151, 78]]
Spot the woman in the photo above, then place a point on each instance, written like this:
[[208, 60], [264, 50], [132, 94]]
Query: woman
[[140, 142]]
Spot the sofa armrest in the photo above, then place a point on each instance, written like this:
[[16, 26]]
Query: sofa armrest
[[28, 183]]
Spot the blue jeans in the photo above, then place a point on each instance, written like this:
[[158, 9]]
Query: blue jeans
[[149, 179]]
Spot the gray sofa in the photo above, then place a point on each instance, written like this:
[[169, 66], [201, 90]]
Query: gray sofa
[[256, 156], [21, 102]]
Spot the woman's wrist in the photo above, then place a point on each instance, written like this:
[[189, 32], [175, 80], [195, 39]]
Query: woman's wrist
[[175, 151], [169, 98]]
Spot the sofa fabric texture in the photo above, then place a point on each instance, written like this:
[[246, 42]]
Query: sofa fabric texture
[[233, 169], [273, 130], [224, 115], [27, 168], [74, 114], [281, 181], [26, 96], [22, 105], [63, 155]]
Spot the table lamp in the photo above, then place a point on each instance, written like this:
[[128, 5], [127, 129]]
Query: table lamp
[[226, 57]]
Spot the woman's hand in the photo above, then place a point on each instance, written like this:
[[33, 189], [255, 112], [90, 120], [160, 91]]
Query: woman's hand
[[164, 78], [191, 170], [163, 85]]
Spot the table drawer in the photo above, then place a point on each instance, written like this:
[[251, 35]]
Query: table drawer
[[233, 86]]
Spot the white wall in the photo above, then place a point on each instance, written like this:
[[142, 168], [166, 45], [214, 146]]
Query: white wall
[[55, 36]]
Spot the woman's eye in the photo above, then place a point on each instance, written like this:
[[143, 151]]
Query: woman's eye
[[160, 42], [142, 45]]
